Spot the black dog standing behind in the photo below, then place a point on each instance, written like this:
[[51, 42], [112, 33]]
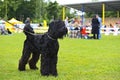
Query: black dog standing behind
[[47, 45], [28, 48]]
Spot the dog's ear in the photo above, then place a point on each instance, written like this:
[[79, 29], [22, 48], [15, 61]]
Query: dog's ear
[[51, 26], [60, 23]]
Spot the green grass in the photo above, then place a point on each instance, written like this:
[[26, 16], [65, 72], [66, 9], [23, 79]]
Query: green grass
[[79, 59]]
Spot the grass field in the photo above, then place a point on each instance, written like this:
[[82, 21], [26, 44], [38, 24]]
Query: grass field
[[79, 59]]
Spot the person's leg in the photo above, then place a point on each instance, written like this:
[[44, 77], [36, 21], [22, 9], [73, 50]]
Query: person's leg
[[99, 34], [94, 36]]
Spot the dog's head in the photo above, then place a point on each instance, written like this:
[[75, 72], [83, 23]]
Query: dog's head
[[57, 29]]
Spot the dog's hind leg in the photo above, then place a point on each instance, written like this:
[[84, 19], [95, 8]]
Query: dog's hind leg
[[24, 58], [34, 60]]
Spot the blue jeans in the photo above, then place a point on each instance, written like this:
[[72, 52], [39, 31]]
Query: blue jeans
[[99, 34]]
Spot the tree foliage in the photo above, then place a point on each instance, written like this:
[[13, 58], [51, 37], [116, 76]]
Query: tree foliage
[[52, 10], [26, 9], [37, 10]]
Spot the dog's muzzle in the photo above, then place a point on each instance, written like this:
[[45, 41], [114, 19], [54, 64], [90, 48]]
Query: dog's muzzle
[[65, 30]]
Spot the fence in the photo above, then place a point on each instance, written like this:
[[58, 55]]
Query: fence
[[106, 31]]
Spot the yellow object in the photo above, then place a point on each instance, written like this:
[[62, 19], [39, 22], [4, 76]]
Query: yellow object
[[63, 13], [103, 13], [9, 26], [44, 23], [41, 30], [14, 21], [118, 14]]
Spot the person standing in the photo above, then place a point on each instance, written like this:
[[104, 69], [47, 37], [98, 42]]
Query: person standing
[[95, 27], [2, 27], [27, 21], [28, 30], [66, 22], [100, 21]]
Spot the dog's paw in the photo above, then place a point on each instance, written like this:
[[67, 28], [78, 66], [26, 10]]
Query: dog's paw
[[45, 74], [21, 69], [55, 74], [34, 68]]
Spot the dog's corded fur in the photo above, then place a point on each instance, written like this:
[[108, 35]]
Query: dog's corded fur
[[47, 45]]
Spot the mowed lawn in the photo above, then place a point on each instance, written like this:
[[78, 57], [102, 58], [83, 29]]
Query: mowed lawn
[[78, 59]]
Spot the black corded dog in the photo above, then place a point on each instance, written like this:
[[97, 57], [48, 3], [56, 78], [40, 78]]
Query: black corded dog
[[47, 45]]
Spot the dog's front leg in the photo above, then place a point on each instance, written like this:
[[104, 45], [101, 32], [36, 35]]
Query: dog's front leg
[[45, 64], [53, 65]]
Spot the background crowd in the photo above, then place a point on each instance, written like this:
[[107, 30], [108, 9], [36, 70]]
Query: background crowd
[[77, 29]]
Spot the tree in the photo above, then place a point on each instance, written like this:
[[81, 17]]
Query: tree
[[40, 10], [69, 14], [12, 8], [111, 14], [2, 9], [26, 9], [17, 8], [52, 10]]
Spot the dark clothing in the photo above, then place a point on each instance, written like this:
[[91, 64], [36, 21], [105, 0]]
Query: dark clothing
[[28, 30], [27, 21], [9, 32], [76, 28], [95, 27]]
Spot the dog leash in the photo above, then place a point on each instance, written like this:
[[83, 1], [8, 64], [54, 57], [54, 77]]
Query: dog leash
[[50, 37], [35, 34], [25, 31], [21, 29]]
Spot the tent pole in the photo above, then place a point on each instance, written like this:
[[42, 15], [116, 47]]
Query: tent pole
[[118, 14], [103, 14], [63, 15], [82, 15]]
